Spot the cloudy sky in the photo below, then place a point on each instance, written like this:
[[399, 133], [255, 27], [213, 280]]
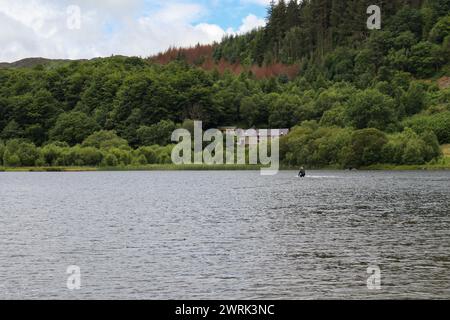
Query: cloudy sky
[[74, 29]]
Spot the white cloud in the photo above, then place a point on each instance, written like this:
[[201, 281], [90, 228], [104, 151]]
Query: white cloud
[[32, 28], [251, 22], [260, 2]]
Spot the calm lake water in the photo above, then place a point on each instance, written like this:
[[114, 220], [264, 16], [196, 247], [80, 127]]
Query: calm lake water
[[225, 235]]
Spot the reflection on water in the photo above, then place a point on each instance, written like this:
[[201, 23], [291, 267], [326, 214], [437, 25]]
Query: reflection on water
[[230, 235]]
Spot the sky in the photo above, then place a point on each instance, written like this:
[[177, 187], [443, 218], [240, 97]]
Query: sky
[[84, 29]]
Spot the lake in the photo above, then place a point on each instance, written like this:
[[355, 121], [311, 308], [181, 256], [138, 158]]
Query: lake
[[225, 235]]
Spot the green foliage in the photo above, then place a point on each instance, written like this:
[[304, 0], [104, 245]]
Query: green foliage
[[409, 148], [87, 156], [283, 111], [189, 126], [255, 110], [73, 127], [124, 157], [20, 153], [105, 140], [371, 109], [407, 19], [334, 117], [26, 151], [298, 30], [150, 154], [441, 30], [316, 146], [426, 58], [2, 151], [12, 130], [159, 133], [139, 160], [413, 100], [110, 160], [335, 96], [366, 146], [11, 159], [438, 123], [53, 154]]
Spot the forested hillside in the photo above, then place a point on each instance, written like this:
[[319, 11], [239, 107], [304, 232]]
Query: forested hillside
[[358, 96]]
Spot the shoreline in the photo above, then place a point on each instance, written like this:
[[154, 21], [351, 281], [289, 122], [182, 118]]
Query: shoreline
[[169, 167]]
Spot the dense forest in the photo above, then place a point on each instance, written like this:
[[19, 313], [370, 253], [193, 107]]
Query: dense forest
[[360, 96]]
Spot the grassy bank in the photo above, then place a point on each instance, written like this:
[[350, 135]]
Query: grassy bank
[[438, 166], [155, 167], [48, 169], [446, 150], [441, 164], [390, 167]]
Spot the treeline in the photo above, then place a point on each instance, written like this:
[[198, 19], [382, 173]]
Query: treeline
[[308, 144], [315, 146], [101, 149], [129, 95], [308, 32]]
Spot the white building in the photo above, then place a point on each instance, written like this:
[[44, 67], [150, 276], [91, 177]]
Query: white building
[[253, 136]]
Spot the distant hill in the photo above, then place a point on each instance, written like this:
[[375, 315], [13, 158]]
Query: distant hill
[[32, 62]]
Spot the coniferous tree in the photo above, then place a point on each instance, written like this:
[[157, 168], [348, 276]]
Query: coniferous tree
[[292, 15]]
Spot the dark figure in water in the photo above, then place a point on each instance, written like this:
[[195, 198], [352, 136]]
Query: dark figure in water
[[302, 172]]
